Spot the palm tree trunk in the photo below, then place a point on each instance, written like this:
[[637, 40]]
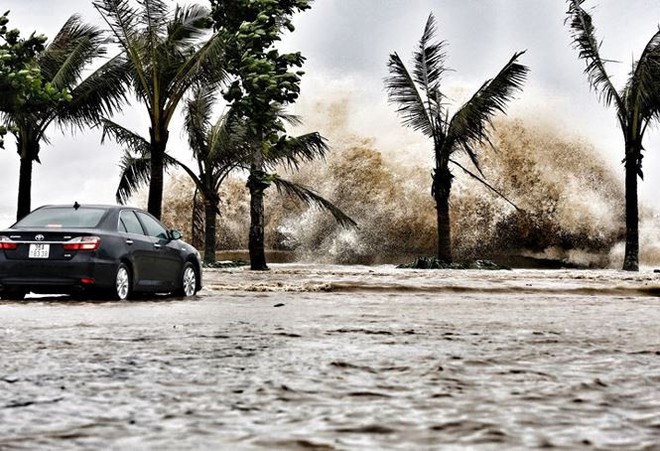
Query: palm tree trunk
[[442, 181], [257, 186], [209, 232], [631, 259], [256, 241], [158, 146], [24, 188], [28, 151], [197, 221]]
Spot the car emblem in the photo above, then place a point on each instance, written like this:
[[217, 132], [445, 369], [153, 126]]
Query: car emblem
[[39, 237]]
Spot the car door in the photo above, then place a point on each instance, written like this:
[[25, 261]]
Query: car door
[[166, 260], [140, 248]]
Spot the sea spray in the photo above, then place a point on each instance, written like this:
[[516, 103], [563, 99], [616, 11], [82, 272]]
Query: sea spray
[[570, 203], [571, 200]]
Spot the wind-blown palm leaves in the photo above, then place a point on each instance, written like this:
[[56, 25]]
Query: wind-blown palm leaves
[[167, 53], [637, 106], [422, 106], [219, 148], [62, 64]]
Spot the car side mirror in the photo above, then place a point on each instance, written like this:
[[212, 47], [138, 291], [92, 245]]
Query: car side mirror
[[175, 234]]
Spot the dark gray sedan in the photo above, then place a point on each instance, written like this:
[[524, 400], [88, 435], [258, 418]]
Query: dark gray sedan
[[113, 250]]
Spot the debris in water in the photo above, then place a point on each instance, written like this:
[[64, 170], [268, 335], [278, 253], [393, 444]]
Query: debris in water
[[435, 263], [226, 264]]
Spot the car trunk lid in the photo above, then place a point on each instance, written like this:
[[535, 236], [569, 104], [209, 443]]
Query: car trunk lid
[[40, 244]]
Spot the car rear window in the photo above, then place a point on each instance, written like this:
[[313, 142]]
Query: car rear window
[[64, 218]]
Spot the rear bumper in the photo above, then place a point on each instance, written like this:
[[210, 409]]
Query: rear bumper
[[56, 276]]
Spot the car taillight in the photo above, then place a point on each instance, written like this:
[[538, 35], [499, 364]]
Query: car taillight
[[7, 244], [83, 243]]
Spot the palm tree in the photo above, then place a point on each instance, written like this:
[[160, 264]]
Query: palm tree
[[637, 106], [166, 55], [62, 64], [422, 105], [219, 148]]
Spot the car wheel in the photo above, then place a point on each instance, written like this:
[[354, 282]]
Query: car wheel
[[13, 295], [188, 281], [123, 281]]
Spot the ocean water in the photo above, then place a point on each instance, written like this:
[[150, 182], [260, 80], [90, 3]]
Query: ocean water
[[341, 357]]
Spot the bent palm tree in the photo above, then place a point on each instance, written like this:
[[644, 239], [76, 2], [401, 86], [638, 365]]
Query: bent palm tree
[[219, 148], [422, 105], [166, 56], [62, 63], [637, 106]]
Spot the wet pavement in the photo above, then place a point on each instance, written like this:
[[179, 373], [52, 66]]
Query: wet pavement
[[328, 357]]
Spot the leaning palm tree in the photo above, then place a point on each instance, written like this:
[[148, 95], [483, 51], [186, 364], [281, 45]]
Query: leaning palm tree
[[219, 148], [62, 63], [422, 104], [167, 54], [637, 106]]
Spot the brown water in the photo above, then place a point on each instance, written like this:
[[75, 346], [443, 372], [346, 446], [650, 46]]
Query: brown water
[[331, 357]]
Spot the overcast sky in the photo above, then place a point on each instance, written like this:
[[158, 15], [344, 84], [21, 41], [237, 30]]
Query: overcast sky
[[347, 43]]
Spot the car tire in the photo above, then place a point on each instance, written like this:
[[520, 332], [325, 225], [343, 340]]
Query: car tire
[[123, 288], [188, 282], [13, 295]]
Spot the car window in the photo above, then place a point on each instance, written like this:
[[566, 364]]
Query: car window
[[153, 227], [63, 217], [130, 223]]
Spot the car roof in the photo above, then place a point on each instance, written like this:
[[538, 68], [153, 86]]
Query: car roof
[[99, 206]]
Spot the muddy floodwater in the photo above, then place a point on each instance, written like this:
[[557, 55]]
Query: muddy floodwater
[[332, 357]]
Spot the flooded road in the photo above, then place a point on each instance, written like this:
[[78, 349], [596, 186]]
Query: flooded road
[[331, 357]]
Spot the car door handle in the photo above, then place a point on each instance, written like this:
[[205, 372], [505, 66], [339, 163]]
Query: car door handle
[[157, 246], [129, 242]]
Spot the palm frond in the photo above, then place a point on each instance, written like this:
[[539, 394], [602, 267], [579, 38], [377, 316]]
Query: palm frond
[[122, 19], [62, 40], [642, 92], [429, 61], [403, 92], [218, 147], [206, 191], [293, 151], [228, 142], [309, 198], [197, 122], [124, 24], [72, 49], [485, 183], [189, 24], [204, 66], [583, 33], [130, 141], [292, 119], [135, 174], [99, 95], [469, 126], [154, 17]]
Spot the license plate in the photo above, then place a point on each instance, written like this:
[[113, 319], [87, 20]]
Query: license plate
[[39, 250]]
